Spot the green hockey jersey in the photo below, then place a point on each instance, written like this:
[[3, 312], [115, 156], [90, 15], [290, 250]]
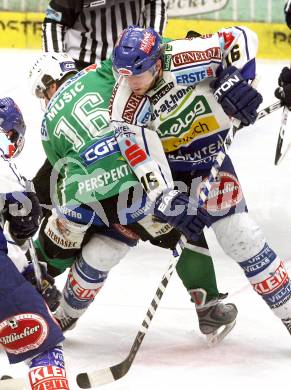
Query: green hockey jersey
[[79, 142]]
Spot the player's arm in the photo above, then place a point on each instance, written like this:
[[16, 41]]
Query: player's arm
[[59, 15], [232, 88], [155, 15], [140, 146], [142, 149], [239, 47], [151, 168]]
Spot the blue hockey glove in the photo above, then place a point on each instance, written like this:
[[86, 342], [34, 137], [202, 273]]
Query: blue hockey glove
[[183, 213], [284, 91], [237, 98], [49, 291], [24, 214]]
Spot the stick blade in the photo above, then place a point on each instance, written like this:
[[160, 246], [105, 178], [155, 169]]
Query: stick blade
[[95, 378], [278, 153], [277, 157], [282, 155]]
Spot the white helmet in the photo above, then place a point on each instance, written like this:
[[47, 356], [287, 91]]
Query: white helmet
[[49, 68]]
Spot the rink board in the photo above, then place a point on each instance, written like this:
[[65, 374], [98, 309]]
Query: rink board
[[23, 30]]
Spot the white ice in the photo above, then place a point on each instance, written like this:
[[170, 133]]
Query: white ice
[[257, 354]]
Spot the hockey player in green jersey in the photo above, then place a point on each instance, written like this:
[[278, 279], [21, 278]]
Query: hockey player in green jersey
[[95, 198]]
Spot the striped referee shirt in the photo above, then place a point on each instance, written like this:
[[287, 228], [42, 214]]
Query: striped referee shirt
[[88, 29]]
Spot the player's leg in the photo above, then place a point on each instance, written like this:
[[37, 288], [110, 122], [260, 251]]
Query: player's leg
[[90, 260], [196, 270], [87, 276], [242, 239], [28, 331]]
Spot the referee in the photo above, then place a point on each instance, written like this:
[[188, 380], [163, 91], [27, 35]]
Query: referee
[[88, 29]]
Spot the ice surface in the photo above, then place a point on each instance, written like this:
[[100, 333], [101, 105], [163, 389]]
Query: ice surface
[[257, 354]]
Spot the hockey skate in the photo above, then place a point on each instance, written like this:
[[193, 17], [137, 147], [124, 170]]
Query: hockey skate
[[64, 320], [216, 319]]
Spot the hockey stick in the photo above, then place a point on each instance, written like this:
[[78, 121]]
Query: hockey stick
[[110, 374], [29, 187], [36, 266], [281, 148], [265, 111], [113, 373]]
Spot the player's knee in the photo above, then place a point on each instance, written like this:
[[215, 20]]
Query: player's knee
[[239, 236], [103, 253]]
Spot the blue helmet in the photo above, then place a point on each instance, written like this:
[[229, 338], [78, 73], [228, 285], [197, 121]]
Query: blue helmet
[[12, 127], [136, 50]]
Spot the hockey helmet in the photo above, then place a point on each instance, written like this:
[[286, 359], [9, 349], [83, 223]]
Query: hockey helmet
[[12, 128], [49, 68], [136, 50]]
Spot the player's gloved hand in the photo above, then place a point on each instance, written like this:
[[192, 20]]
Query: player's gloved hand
[[237, 98], [167, 240], [288, 14], [284, 91], [24, 214], [182, 212], [49, 291], [157, 232]]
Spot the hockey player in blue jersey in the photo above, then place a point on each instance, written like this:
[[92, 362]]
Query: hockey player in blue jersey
[[28, 331], [186, 92]]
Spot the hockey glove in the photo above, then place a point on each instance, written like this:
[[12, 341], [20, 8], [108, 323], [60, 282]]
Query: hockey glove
[[284, 91], [237, 98], [156, 232], [288, 15], [24, 214], [183, 213], [49, 291]]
